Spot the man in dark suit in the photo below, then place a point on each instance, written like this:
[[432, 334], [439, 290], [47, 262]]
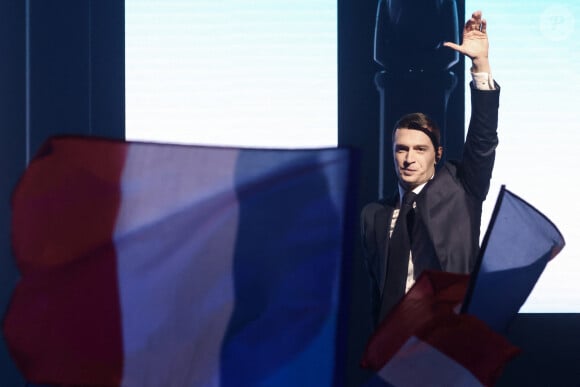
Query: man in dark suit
[[439, 226]]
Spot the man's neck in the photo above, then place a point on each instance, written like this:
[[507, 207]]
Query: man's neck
[[416, 190]]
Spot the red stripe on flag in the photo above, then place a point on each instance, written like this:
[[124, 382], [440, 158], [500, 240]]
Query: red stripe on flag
[[471, 343], [432, 294], [64, 321], [429, 312]]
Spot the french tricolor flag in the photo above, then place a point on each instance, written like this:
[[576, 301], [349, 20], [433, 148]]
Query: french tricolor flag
[[166, 265]]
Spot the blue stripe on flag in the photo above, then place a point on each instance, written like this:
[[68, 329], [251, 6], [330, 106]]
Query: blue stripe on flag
[[517, 246], [287, 265]]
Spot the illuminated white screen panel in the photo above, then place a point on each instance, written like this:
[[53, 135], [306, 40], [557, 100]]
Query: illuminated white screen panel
[[234, 73]]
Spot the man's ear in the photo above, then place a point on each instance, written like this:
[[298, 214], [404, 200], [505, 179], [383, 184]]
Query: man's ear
[[438, 154]]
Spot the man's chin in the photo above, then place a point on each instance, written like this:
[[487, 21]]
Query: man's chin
[[407, 184]]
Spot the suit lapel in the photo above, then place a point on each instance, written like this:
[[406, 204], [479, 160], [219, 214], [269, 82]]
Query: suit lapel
[[435, 195], [382, 226]]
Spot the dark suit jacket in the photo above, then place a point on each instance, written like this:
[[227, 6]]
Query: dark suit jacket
[[450, 204]]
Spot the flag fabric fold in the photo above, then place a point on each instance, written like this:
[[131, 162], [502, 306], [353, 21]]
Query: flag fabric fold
[[152, 264], [424, 341], [519, 243], [434, 293]]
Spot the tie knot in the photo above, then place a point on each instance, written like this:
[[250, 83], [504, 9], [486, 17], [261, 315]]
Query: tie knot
[[409, 198]]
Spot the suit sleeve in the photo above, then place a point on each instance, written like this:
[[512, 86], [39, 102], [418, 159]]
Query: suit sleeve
[[367, 228], [373, 253], [481, 142]]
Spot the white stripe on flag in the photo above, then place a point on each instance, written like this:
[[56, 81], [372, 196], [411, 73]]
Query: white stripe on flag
[[418, 364], [168, 210]]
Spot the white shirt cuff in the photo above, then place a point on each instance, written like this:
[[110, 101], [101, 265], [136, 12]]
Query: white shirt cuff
[[483, 81]]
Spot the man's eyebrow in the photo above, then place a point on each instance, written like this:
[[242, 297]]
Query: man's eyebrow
[[424, 145]]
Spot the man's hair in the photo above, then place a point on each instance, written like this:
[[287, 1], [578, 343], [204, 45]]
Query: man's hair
[[422, 122]]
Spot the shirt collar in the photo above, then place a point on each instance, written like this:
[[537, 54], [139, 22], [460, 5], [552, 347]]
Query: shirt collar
[[416, 190]]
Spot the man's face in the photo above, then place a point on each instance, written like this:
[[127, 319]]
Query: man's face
[[414, 156]]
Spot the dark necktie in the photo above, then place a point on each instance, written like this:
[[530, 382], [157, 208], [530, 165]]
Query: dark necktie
[[398, 259]]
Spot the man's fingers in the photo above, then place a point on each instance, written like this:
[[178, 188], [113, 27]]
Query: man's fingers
[[475, 23], [476, 14], [453, 46]]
